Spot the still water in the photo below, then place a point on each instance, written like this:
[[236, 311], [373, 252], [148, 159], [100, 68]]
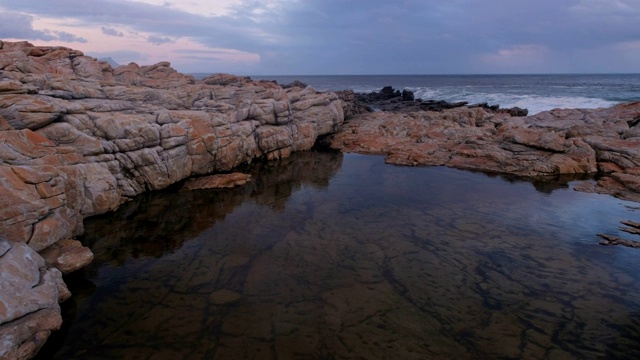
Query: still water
[[332, 256]]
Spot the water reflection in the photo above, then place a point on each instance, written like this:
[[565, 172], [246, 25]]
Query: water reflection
[[154, 224], [349, 258]]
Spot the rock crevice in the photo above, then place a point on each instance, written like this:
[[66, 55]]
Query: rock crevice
[[79, 138], [560, 141]]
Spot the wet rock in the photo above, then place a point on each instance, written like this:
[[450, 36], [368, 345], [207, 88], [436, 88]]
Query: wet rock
[[295, 83], [225, 79], [79, 138], [224, 297], [219, 181], [614, 240], [29, 308], [392, 100], [575, 141], [67, 256]]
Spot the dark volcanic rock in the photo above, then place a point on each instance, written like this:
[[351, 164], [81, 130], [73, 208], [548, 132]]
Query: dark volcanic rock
[[392, 100], [295, 83]]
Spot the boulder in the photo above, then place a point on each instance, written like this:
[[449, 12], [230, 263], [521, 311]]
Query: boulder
[[29, 308]]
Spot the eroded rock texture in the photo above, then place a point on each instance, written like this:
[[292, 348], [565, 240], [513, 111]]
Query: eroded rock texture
[[29, 308], [78, 138], [569, 141]]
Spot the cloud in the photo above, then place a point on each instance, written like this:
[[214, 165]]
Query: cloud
[[603, 8], [219, 55], [121, 56], [67, 37], [156, 40], [338, 36], [521, 58], [20, 26], [111, 31]]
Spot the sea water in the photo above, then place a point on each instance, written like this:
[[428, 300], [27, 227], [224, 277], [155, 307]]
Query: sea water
[[533, 92], [332, 256]]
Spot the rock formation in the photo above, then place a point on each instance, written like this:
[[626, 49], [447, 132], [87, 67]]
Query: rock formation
[[79, 138], [569, 141], [391, 100]]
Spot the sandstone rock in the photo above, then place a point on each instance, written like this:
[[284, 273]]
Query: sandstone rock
[[219, 181], [29, 308], [555, 142], [22, 338], [26, 281], [225, 79], [61, 223], [224, 296], [67, 256], [29, 111], [79, 138]]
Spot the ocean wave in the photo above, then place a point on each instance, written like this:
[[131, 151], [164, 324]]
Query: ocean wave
[[534, 103]]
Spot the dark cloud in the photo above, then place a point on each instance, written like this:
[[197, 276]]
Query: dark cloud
[[67, 37], [111, 32], [20, 26], [378, 36]]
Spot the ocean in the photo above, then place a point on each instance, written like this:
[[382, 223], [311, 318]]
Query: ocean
[[533, 92]]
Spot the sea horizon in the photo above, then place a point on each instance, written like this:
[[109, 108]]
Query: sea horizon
[[447, 74], [535, 92]]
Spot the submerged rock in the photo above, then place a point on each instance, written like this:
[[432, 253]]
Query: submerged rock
[[219, 181], [224, 296], [79, 138]]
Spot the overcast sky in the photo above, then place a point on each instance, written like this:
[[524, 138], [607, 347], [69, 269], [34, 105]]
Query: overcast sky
[[299, 37]]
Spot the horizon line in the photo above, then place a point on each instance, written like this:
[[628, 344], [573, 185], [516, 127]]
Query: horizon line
[[449, 74]]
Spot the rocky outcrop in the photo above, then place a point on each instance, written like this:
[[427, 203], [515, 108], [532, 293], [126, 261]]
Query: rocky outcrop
[[218, 181], [79, 138], [554, 142], [29, 308], [393, 100]]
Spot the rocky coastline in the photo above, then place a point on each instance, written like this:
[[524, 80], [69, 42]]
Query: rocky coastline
[[79, 138], [603, 141]]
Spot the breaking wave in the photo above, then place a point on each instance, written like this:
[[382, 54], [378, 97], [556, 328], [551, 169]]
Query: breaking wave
[[534, 103]]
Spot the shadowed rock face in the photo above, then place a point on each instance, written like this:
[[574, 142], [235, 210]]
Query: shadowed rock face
[[570, 141], [79, 138]]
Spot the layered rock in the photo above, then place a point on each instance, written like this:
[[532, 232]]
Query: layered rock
[[570, 141], [79, 138], [29, 308]]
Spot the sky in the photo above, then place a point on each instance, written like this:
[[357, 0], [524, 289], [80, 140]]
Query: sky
[[340, 37]]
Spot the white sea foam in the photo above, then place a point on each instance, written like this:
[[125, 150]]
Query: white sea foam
[[534, 103]]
